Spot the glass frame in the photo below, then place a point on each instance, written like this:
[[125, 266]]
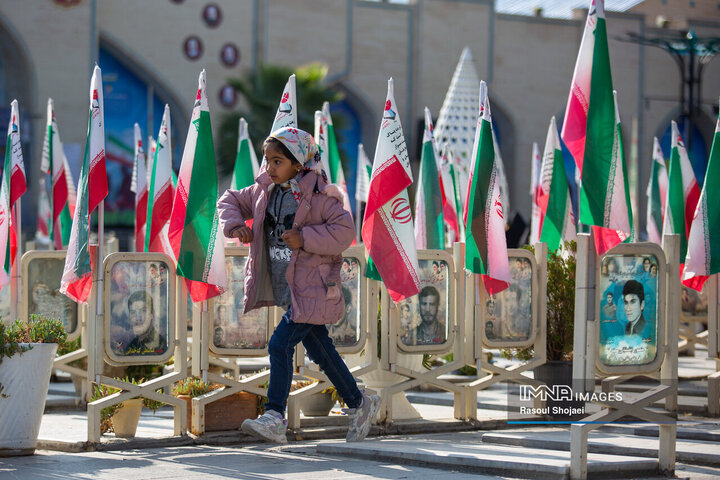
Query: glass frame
[[480, 317], [232, 252], [171, 338], [633, 251], [357, 253], [36, 255], [450, 313]]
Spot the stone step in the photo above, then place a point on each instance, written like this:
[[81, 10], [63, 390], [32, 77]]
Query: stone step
[[464, 451], [708, 432], [695, 452]]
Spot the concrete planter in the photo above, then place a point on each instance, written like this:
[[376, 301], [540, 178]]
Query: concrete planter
[[25, 378], [317, 405], [126, 419]]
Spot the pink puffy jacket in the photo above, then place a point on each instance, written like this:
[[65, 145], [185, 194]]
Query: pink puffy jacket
[[314, 270]]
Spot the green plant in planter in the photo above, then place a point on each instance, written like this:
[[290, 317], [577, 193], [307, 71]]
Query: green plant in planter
[[193, 387], [561, 266], [37, 329], [102, 391]]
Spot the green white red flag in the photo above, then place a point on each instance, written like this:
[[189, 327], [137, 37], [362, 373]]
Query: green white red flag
[[537, 213], [558, 224], [44, 213], [703, 252], [195, 236], [139, 186], [76, 282], [160, 191], [683, 193], [429, 219], [656, 194], [54, 163], [246, 163], [322, 142], [590, 133], [387, 230], [485, 245], [13, 186], [449, 198]]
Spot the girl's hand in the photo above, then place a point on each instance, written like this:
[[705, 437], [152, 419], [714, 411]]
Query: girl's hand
[[293, 239], [244, 234]]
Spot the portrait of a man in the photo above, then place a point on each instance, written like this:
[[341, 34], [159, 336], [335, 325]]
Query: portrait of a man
[[141, 315], [517, 322], [344, 332], [430, 331], [634, 298], [609, 309]]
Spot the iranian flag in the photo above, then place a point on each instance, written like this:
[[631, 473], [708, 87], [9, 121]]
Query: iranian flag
[[454, 170], [388, 227], [558, 225], [656, 194], [139, 186], [450, 203], [703, 251], [13, 186], [44, 213], [161, 191], [330, 155], [429, 220], [683, 193], [54, 163], [246, 163], [76, 281], [486, 248], [195, 236], [537, 213], [590, 131]]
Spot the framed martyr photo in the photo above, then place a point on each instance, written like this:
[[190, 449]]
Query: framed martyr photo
[[41, 275], [426, 321], [630, 309], [139, 308], [509, 318], [349, 333], [232, 332]]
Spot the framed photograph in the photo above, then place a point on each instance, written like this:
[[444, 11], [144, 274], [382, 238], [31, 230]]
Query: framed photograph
[[139, 308], [41, 275], [509, 318], [629, 310], [693, 304], [5, 305], [233, 332], [426, 320], [349, 332]]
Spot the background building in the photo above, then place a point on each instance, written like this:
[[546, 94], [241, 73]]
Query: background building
[[152, 51]]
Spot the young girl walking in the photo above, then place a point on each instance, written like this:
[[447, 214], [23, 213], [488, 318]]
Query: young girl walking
[[299, 232]]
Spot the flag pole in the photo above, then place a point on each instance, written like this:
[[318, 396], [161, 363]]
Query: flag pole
[[99, 263], [358, 220], [14, 277]]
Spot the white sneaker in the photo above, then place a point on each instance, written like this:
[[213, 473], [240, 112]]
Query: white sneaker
[[270, 426], [361, 418]]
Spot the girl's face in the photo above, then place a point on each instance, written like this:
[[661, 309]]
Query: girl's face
[[279, 167]]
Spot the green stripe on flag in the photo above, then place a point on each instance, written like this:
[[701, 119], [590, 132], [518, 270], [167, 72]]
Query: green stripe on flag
[[712, 204], [557, 207], [434, 221], [676, 201], [600, 134], [476, 255], [243, 174], [199, 231]]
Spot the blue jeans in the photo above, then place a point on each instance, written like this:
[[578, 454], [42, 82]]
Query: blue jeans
[[320, 349]]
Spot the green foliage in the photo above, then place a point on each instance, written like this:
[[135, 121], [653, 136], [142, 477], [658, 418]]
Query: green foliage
[[102, 391], [193, 387], [561, 267], [261, 90], [37, 329], [69, 347], [147, 402]]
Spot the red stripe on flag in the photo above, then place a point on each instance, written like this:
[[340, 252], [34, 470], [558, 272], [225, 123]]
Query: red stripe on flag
[[97, 181], [79, 290], [177, 218], [18, 186], [605, 239], [690, 205], [575, 124], [493, 285], [162, 210], [394, 180], [140, 219], [389, 260], [200, 291]]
